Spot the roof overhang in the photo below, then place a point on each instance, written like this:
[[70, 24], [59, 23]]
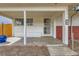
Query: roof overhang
[[3, 5]]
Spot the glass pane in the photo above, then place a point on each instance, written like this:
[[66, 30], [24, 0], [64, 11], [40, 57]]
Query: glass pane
[[19, 21], [29, 21]]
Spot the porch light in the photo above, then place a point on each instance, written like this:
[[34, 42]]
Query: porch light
[[77, 8]]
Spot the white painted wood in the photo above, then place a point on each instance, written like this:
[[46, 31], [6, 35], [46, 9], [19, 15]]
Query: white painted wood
[[25, 27], [65, 27], [54, 8], [54, 28]]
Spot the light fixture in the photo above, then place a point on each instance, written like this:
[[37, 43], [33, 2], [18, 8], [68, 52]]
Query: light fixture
[[77, 8]]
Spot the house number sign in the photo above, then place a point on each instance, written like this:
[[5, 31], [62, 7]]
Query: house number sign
[[66, 22]]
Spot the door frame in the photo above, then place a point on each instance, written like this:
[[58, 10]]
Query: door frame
[[44, 26]]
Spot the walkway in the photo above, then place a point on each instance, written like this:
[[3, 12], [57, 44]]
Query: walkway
[[61, 51]]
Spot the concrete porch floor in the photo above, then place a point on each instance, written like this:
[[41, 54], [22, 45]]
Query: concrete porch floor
[[54, 46], [39, 41], [37, 46], [35, 50]]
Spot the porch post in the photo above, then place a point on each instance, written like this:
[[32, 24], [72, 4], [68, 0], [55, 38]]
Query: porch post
[[25, 27], [65, 27]]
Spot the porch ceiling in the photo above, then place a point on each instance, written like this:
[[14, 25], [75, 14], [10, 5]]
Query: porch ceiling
[[25, 5], [3, 5], [31, 13]]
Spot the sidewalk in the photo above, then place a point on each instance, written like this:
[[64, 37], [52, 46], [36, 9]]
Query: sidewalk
[[61, 51]]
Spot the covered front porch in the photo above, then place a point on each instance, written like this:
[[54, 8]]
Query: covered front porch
[[41, 27], [39, 35]]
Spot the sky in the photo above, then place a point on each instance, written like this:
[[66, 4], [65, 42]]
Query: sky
[[5, 20]]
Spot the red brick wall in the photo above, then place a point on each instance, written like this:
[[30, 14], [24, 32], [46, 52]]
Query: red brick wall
[[69, 32], [75, 30], [59, 32]]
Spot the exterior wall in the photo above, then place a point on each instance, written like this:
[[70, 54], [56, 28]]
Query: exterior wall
[[38, 24], [59, 24], [18, 31], [36, 30], [75, 20], [75, 24], [59, 21]]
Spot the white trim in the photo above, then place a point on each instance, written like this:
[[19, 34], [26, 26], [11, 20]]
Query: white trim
[[51, 27], [45, 9], [55, 45], [12, 28], [65, 28], [24, 27], [11, 9], [59, 8], [54, 28]]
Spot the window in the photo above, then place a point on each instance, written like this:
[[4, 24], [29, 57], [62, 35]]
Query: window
[[29, 21], [47, 25], [19, 21]]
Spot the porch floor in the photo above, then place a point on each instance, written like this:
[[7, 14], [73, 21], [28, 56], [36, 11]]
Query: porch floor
[[38, 41], [27, 50], [43, 46]]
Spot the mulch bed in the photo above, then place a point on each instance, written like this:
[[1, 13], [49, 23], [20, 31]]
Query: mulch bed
[[28, 50]]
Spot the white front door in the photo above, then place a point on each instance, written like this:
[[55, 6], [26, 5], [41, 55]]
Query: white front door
[[47, 22]]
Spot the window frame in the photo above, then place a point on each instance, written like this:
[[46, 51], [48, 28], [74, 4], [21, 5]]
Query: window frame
[[29, 21]]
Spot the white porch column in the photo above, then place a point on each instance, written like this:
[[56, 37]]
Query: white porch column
[[65, 27], [54, 28], [25, 27]]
